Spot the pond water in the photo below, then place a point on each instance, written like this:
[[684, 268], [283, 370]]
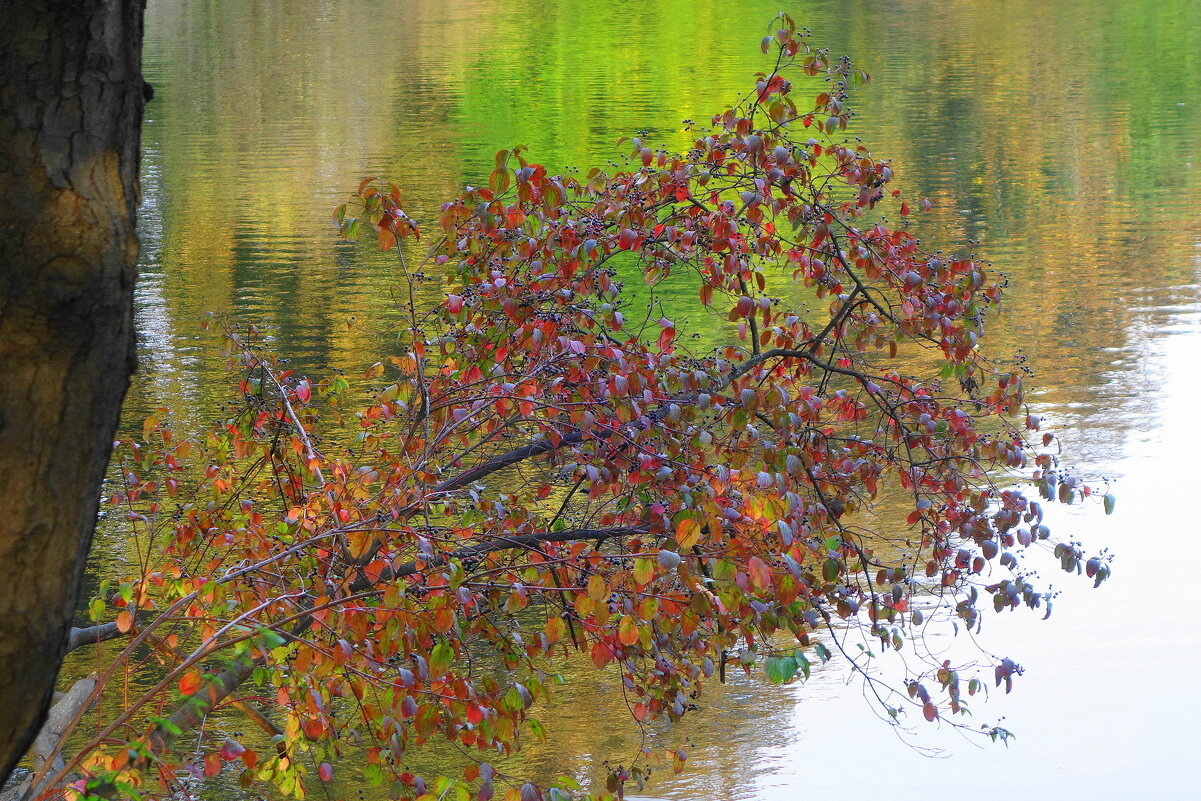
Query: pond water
[[1063, 136]]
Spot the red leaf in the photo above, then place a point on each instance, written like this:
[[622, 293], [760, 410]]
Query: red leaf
[[232, 749], [601, 654], [304, 391], [760, 573], [666, 336]]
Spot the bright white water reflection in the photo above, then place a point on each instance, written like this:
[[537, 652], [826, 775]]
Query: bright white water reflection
[[1109, 705]]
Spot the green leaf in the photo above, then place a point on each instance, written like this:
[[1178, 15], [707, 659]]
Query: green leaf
[[96, 609], [780, 669], [724, 570], [270, 638], [830, 569], [537, 728], [440, 658]]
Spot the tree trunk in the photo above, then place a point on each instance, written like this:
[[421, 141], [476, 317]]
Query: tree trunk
[[71, 97]]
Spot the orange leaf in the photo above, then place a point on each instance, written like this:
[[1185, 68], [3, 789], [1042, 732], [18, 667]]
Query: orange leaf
[[444, 619], [627, 631], [189, 682], [385, 239]]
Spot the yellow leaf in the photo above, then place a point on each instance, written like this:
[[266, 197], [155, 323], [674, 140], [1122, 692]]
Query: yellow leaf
[[648, 608], [598, 590], [688, 532], [584, 605]]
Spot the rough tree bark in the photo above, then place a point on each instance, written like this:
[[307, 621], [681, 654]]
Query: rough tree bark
[[71, 97]]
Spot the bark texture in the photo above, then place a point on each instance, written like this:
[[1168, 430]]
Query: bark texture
[[71, 97]]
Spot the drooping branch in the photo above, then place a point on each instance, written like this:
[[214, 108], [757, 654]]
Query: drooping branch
[[660, 434]]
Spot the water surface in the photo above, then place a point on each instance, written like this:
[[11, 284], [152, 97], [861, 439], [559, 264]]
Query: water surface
[[1064, 137]]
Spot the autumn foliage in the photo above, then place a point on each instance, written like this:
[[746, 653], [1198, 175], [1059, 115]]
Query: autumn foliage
[[545, 469]]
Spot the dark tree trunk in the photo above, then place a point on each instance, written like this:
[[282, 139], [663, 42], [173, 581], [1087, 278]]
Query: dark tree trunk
[[71, 97]]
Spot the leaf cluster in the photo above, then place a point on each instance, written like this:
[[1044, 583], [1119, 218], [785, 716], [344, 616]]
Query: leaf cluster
[[544, 470]]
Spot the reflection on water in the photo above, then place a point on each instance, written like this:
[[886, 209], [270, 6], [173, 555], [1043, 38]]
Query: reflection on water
[[1063, 136]]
